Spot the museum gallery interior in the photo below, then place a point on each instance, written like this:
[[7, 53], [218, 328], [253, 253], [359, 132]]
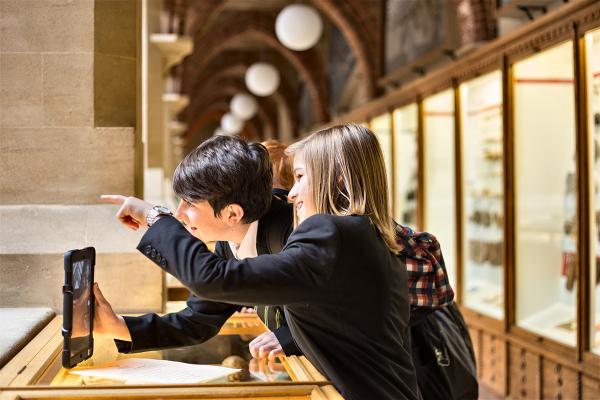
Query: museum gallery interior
[[487, 113]]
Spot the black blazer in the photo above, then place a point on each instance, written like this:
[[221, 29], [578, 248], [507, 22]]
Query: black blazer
[[202, 319], [345, 296]]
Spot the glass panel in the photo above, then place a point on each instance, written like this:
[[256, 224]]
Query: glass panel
[[481, 137], [592, 43], [440, 210], [406, 120], [229, 348], [382, 128], [545, 190]]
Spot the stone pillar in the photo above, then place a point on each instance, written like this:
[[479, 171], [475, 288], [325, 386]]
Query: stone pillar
[[68, 94], [162, 51], [153, 116]]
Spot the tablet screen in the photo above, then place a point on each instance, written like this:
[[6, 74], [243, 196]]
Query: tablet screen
[[82, 286]]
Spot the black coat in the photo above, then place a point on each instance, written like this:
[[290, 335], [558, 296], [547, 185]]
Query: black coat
[[202, 319], [345, 296]]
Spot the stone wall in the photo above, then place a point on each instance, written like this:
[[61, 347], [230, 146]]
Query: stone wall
[[67, 134]]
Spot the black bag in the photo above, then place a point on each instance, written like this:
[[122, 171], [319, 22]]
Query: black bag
[[443, 355]]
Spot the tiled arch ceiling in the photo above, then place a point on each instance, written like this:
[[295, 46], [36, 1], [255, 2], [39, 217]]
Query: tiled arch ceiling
[[233, 65], [259, 27], [225, 89], [212, 115], [358, 20]]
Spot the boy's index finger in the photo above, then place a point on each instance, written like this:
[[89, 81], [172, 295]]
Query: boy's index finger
[[113, 198]]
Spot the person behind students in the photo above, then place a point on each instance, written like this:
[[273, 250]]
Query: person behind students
[[441, 347], [249, 222], [343, 288], [283, 179]]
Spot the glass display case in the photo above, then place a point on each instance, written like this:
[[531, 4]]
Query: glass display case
[[406, 120], [37, 369], [439, 175], [483, 197], [546, 194], [592, 47], [382, 128]]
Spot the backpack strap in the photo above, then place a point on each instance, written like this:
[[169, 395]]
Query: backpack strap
[[275, 227]]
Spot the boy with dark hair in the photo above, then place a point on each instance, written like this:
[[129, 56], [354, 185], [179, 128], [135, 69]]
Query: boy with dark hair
[[225, 190], [226, 170]]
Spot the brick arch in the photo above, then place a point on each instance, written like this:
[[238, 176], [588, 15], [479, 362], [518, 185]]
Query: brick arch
[[218, 106], [225, 89], [354, 18], [260, 27], [251, 132], [213, 113], [266, 111], [233, 74], [201, 14], [234, 65]]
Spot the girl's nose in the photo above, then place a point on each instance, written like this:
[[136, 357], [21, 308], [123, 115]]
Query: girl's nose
[[293, 194]]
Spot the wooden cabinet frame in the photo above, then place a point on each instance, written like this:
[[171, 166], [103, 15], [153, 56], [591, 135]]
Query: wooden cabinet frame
[[40, 360], [568, 23]]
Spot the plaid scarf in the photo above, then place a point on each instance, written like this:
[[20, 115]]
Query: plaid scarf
[[428, 284]]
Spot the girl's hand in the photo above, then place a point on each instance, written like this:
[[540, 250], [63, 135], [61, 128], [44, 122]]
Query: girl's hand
[[266, 345]]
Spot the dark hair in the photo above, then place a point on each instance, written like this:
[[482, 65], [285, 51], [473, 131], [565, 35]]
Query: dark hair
[[225, 170]]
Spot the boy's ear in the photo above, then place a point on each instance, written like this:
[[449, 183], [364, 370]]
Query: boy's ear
[[233, 213]]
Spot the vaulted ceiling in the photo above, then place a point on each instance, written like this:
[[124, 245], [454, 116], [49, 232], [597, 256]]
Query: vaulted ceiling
[[344, 69], [230, 35]]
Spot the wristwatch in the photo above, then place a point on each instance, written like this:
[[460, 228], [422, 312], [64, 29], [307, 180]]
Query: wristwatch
[[155, 212]]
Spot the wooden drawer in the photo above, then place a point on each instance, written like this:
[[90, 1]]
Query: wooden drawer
[[525, 374], [590, 388], [493, 362], [559, 382]]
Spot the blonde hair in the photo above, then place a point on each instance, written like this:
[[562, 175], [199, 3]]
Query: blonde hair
[[345, 167], [282, 165]]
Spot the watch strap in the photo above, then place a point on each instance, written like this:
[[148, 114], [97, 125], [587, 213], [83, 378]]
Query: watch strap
[[155, 212]]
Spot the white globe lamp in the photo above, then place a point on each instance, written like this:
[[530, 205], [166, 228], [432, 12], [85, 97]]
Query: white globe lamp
[[262, 79], [231, 124], [243, 106], [298, 27], [218, 131]]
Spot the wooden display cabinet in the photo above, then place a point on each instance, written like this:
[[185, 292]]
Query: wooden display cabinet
[[36, 371], [530, 289]]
